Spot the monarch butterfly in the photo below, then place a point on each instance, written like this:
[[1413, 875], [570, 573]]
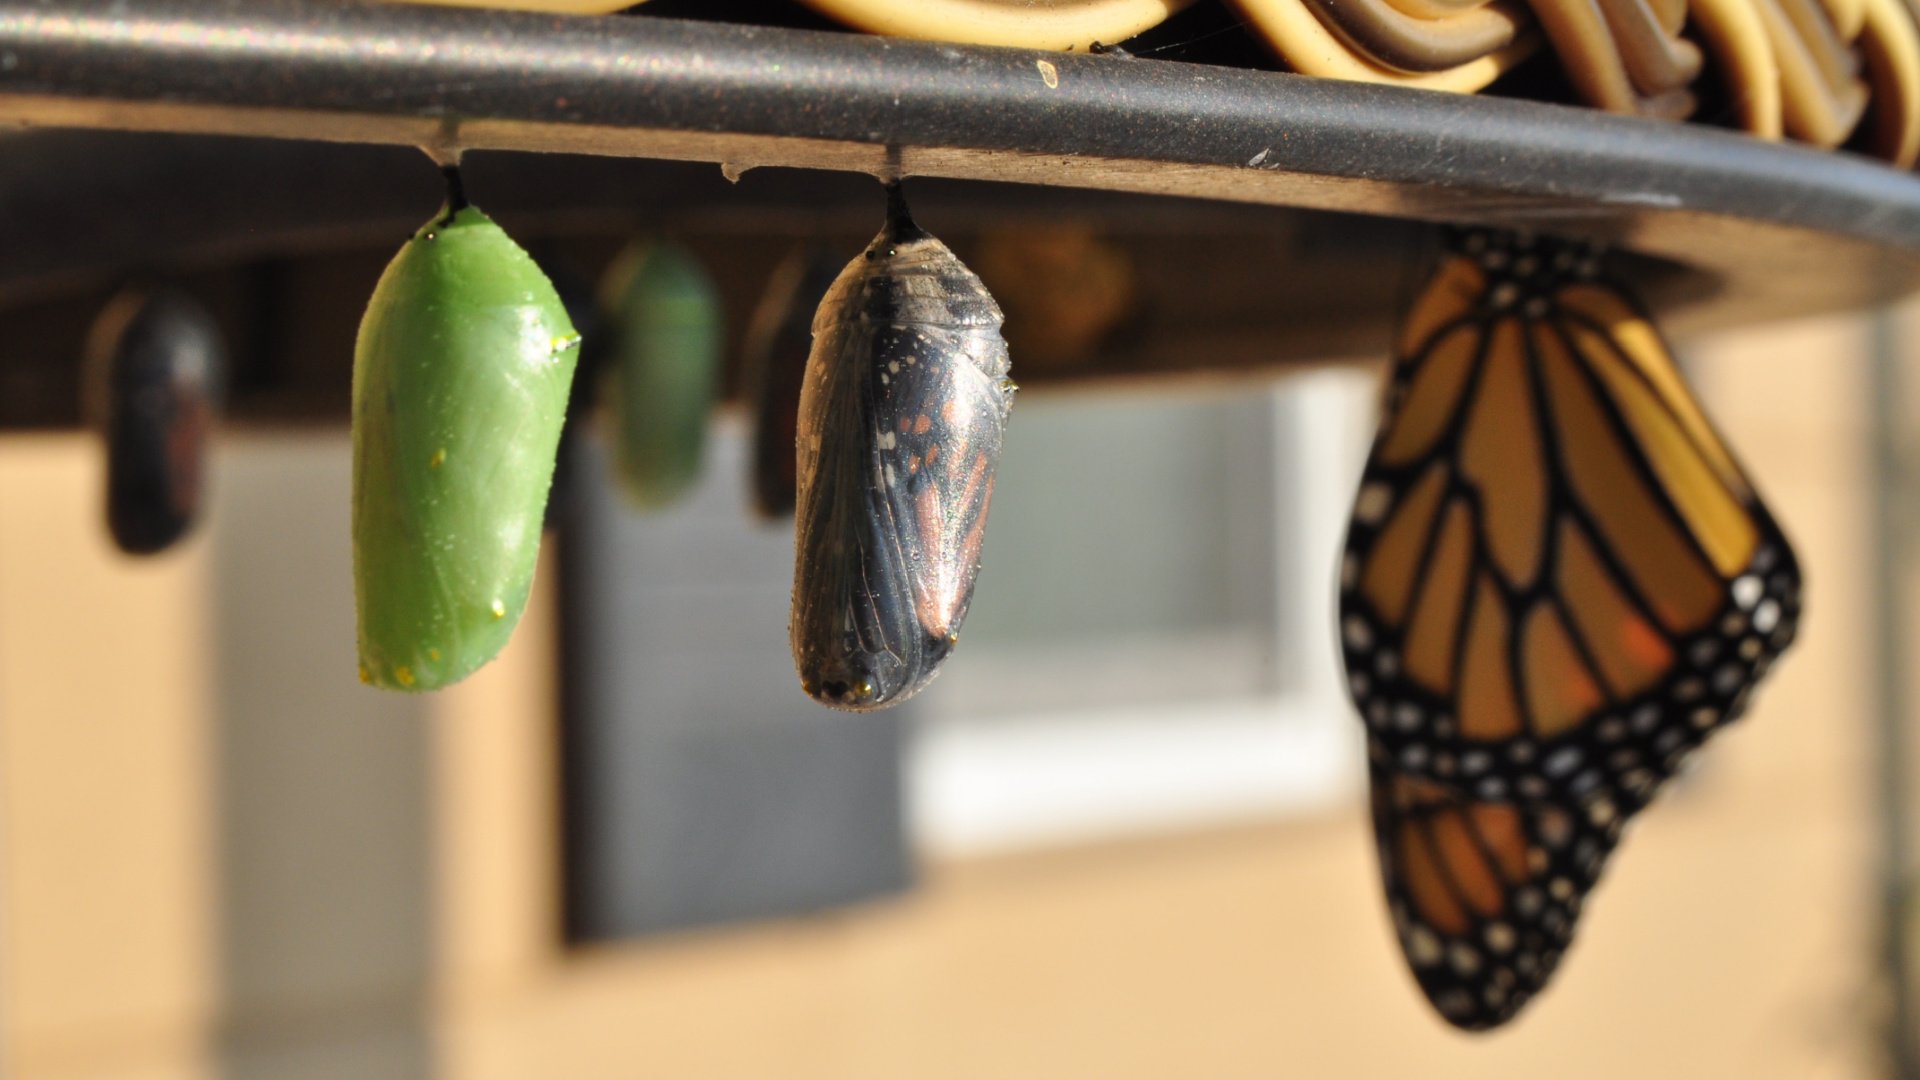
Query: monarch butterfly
[[1557, 580], [1484, 895], [460, 380], [1557, 583], [155, 371], [778, 341], [663, 368], [901, 418]]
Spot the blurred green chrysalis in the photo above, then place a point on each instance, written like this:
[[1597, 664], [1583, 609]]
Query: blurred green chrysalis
[[460, 382], [663, 368]]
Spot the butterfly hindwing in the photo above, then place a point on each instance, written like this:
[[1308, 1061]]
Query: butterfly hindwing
[[1484, 895]]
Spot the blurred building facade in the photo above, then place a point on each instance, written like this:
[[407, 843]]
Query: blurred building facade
[[221, 858]]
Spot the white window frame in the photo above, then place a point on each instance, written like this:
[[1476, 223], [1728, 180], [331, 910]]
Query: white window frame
[[1011, 781]]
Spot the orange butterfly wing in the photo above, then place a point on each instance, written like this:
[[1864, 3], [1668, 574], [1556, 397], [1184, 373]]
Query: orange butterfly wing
[[1557, 583], [1484, 895], [1557, 580]]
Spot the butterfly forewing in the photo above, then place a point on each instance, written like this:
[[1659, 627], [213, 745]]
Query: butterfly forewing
[[901, 420], [1557, 581]]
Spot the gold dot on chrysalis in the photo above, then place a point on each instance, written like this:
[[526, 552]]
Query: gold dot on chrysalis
[[499, 609], [563, 343], [433, 654], [403, 675], [366, 676], [438, 459]]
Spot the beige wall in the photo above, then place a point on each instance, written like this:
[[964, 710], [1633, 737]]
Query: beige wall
[[105, 767], [151, 874]]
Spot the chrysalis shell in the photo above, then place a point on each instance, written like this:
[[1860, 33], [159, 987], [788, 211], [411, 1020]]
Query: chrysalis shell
[[156, 367], [901, 419], [460, 382]]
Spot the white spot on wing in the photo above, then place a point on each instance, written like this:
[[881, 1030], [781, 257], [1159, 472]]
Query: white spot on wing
[[1372, 504]]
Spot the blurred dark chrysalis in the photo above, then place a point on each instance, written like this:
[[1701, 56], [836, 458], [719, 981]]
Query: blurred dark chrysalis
[[775, 359], [901, 419], [155, 371]]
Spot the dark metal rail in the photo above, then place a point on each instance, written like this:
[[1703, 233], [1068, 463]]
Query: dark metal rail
[[1786, 230]]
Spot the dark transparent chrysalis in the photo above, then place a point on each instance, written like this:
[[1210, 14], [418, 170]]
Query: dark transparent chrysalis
[[663, 368], [775, 361], [155, 374], [901, 419], [460, 381]]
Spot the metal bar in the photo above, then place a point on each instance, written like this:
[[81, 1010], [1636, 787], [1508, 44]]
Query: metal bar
[[452, 79]]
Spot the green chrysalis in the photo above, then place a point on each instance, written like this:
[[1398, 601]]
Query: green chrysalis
[[460, 382], [663, 368]]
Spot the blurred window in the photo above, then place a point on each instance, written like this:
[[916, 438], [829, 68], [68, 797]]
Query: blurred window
[[1151, 642], [1150, 647]]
